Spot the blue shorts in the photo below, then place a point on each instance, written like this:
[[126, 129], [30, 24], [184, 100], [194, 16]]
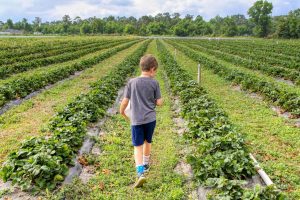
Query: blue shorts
[[140, 133]]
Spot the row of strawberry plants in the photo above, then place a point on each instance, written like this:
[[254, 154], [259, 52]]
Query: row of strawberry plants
[[221, 153], [230, 56], [263, 50], [263, 57], [5, 71], [286, 99], [10, 44], [266, 45], [36, 46], [24, 85], [50, 52], [257, 47], [43, 162]]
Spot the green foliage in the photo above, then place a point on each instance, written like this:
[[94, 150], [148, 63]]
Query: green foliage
[[256, 61], [70, 53], [235, 190], [43, 162], [24, 85], [230, 28], [129, 29], [4, 192], [85, 28], [75, 190], [221, 150], [156, 28], [184, 28], [43, 50], [288, 100], [260, 24], [289, 26], [260, 14], [10, 24]]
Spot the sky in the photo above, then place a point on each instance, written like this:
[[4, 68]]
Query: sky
[[50, 10]]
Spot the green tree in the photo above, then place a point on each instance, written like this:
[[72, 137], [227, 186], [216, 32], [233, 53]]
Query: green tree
[[110, 27], [185, 27], [25, 25], [142, 30], [216, 24], [9, 24], [242, 24], [229, 27], [66, 23], [288, 26], [85, 28], [129, 29], [77, 20], [260, 14], [156, 28], [282, 29], [175, 19], [97, 25], [37, 24], [201, 26], [1, 25]]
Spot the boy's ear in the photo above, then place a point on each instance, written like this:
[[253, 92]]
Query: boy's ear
[[153, 69]]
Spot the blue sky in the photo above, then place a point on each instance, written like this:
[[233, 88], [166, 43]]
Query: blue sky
[[55, 9]]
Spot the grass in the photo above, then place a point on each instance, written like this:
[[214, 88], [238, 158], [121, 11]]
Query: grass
[[116, 169], [29, 118], [271, 139]]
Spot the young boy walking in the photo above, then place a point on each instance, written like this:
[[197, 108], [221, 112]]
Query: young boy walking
[[143, 94]]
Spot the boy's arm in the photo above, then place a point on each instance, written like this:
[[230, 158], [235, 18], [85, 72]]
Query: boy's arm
[[125, 100], [157, 95], [123, 106]]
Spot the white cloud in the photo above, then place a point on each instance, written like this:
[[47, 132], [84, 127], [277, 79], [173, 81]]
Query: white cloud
[[55, 9], [15, 5], [79, 8], [206, 8]]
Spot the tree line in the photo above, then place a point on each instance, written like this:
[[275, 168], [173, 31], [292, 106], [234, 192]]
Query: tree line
[[259, 23]]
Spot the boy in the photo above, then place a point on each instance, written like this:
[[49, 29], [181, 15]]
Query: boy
[[144, 95]]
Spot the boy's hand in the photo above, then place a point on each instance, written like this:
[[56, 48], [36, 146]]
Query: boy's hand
[[125, 116], [159, 102], [123, 106]]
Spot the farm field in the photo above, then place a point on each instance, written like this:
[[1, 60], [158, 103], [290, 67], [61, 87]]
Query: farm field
[[248, 101]]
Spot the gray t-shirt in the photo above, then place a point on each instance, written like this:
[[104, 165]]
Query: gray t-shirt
[[143, 93]]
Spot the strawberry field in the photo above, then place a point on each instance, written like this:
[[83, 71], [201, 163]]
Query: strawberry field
[[59, 99]]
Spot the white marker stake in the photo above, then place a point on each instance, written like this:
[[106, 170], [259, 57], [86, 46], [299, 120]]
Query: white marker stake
[[175, 54], [261, 172], [199, 73]]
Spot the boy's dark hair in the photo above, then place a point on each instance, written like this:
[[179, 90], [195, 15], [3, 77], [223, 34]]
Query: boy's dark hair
[[148, 62]]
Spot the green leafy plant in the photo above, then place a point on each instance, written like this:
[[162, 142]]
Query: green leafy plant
[[43, 162], [235, 190], [289, 100], [23, 85], [221, 154]]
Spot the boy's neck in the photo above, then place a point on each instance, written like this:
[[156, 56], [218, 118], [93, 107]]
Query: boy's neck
[[146, 74]]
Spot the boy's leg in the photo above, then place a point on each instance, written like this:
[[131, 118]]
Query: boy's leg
[[138, 155], [147, 148], [146, 155], [137, 141], [149, 130]]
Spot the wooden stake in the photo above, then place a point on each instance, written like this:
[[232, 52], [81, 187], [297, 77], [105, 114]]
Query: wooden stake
[[199, 73]]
